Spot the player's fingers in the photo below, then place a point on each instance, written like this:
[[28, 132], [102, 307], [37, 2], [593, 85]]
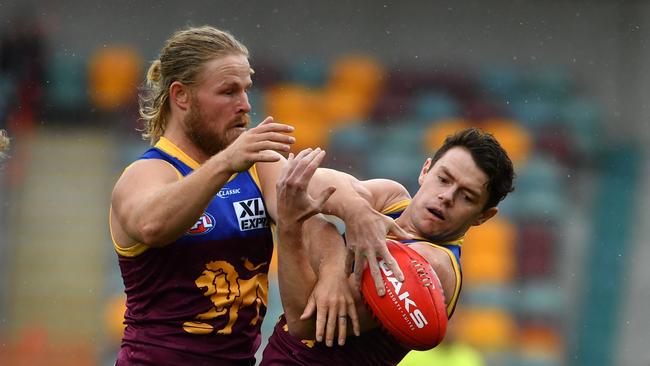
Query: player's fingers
[[392, 265], [266, 121], [267, 156], [306, 159], [269, 145], [292, 163], [301, 164], [302, 154], [271, 126], [309, 164], [354, 317], [314, 163], [321, 319], [376, 275], [359, 264], [331, 326], [343, 326], [309, 309], [256, 136]]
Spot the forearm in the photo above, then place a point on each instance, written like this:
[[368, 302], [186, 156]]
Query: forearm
[[350, 198], [327, 254], [325, 246], [296, 278]]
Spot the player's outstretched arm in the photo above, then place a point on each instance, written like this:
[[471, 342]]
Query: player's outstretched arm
[[152, 205], [294, 207], [333, 298], [366, 228]]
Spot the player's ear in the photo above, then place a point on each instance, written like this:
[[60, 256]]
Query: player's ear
[[486, 215], [179, 95], [425, 169]]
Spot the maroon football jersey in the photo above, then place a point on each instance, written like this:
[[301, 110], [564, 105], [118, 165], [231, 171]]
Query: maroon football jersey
[[374, 347], [201, 299]]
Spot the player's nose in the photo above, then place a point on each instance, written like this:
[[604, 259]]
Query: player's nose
[[244, 104], [446, 195]]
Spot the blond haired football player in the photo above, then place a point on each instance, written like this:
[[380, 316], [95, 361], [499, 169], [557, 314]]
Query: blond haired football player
[[190, 219]]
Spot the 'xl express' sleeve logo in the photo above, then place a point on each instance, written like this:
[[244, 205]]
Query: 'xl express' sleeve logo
[[251, 214]]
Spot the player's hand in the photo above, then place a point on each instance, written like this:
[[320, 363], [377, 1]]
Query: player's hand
[[366, 239], [333, 301], [263, 143], [295, 204]]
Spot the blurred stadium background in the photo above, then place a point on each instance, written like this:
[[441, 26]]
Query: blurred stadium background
[[559, 279]]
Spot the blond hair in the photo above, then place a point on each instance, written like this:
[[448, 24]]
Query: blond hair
[[181, 59], [4, 143]]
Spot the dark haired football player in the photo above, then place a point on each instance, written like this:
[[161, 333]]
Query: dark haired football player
[[460, 187]]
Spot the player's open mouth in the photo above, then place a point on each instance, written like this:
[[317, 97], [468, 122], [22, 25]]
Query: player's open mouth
[[436, 213]]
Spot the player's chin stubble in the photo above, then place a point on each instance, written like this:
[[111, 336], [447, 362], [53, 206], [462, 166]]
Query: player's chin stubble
[[208, 140]]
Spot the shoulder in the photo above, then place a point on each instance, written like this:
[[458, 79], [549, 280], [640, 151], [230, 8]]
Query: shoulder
[[145, 172], [153, 168], [437, 257], [442, 262]]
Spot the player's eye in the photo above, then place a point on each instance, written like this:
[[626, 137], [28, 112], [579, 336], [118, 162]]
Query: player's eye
[[442, 179]]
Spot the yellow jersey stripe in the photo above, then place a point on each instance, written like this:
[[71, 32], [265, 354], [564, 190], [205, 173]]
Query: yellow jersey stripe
[[132, 251], [167, 146], [256, 178], [396, 207], [454, 263], [138, 248]]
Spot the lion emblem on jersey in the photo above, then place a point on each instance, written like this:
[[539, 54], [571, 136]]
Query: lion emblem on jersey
[[228, 292]]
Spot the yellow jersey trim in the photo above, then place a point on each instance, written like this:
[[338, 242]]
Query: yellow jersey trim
[[454, 264], [133, 251], [178, 174], [396, 207], [137, 248], [458, 242], [167, 146], [256, 178]]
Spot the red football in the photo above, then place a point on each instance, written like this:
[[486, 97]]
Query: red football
[[412, 311]]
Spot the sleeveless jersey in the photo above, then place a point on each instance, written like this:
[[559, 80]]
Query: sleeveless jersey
[[202, 298], [375, 347], [452, 248]]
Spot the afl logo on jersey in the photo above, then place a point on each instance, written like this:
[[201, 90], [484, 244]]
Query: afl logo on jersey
[[204, 225]]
